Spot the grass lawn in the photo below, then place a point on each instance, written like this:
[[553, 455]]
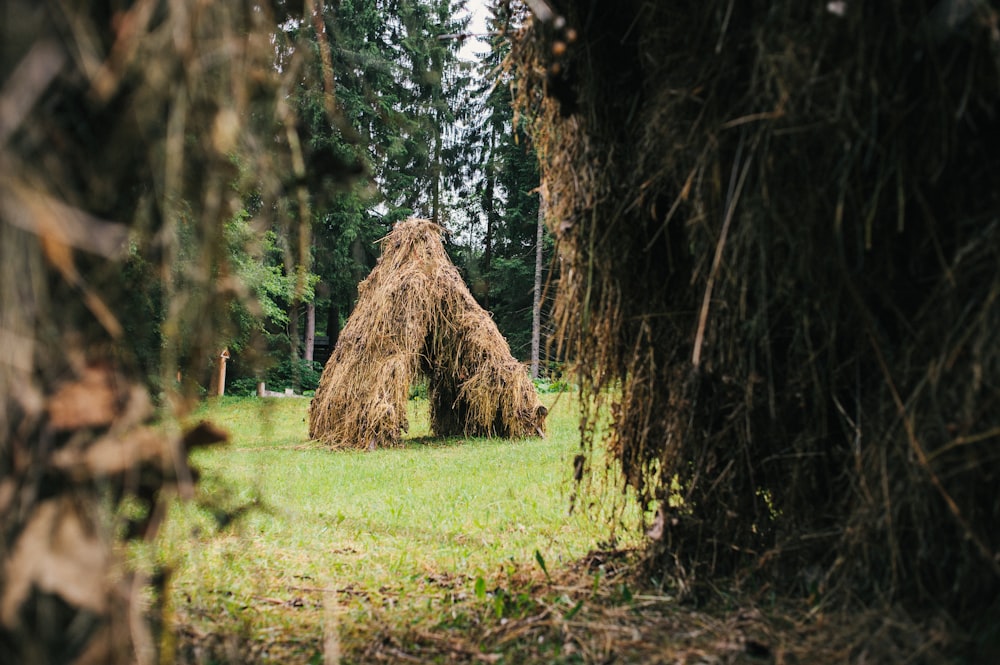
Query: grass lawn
[[453, 550], [340, 549]]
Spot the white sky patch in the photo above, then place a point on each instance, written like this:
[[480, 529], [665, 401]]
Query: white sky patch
[[466, 229], [479, 11]]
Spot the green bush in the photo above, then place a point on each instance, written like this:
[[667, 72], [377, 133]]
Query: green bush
[[243, 386], [299, 375], [553, 386], [296, 374], [419, 390]]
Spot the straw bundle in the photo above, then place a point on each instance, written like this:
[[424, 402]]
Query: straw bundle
[[121, 128], [778, 226], [415, 317]]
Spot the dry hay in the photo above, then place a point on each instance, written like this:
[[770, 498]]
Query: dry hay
[[594, 612], [122, 129], [778, 223], [415, 317]]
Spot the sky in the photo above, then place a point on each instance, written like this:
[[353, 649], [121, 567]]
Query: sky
[[479, 11]]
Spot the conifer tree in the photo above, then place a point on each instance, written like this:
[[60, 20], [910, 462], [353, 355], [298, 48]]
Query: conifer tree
[[400, 90], [505, 185]]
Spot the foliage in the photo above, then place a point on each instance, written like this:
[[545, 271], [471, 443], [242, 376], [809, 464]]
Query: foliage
[[419, 389], [144, 300], [501, 189], [401, 92], [257, 261], [549, 385], [297, 374]]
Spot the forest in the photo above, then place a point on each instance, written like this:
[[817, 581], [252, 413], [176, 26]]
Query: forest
[[421, 130], [603, 331]]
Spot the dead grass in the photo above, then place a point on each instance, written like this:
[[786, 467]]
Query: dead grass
[[123, 130], [416, 318], [778, 245], [599, 609]]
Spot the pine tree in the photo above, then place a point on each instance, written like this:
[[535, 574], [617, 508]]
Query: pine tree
[[400, 90], [505, 197]]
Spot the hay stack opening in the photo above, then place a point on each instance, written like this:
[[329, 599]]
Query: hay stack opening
[[416, 317]]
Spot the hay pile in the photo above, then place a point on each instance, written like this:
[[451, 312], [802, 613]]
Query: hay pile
[[779, 230], [122, 126], [415, 317]]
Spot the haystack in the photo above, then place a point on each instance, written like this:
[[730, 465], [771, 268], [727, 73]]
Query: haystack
[[415, 317], [121, 129], [779, 240]]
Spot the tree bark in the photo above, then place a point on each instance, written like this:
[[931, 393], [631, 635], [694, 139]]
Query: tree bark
[[310, 346], [536, 305], [492, 222], [293, 329], [333, 325], [293, 341], [436, 170]]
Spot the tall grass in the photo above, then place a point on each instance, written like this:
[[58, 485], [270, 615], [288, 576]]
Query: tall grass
[[286, 532]]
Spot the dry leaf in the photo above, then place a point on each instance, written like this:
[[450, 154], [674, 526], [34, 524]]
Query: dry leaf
[[113, 455], [89, 402], [57, 553]]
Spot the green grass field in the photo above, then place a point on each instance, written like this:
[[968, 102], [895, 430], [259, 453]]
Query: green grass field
[[295, 553], [447, 551]]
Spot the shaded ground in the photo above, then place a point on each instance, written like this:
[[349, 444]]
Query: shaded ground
[[593, 612]]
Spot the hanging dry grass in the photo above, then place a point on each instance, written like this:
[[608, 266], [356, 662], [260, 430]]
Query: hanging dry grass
[[415, 317], [778, 226], [123, 127]]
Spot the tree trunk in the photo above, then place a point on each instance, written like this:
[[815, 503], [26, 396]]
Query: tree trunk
[[307, 353], [536, 305], [492, 222], [293, 329], [293, 342], [436, 170], [333, 325], [488, 244]]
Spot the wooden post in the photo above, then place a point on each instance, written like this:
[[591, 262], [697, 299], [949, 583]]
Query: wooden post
[[223, 357]]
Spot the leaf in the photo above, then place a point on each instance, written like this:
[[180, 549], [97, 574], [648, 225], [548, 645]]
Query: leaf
[[500, 602], [573, 610], [480, 588], [541, 563], [90, 401]]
